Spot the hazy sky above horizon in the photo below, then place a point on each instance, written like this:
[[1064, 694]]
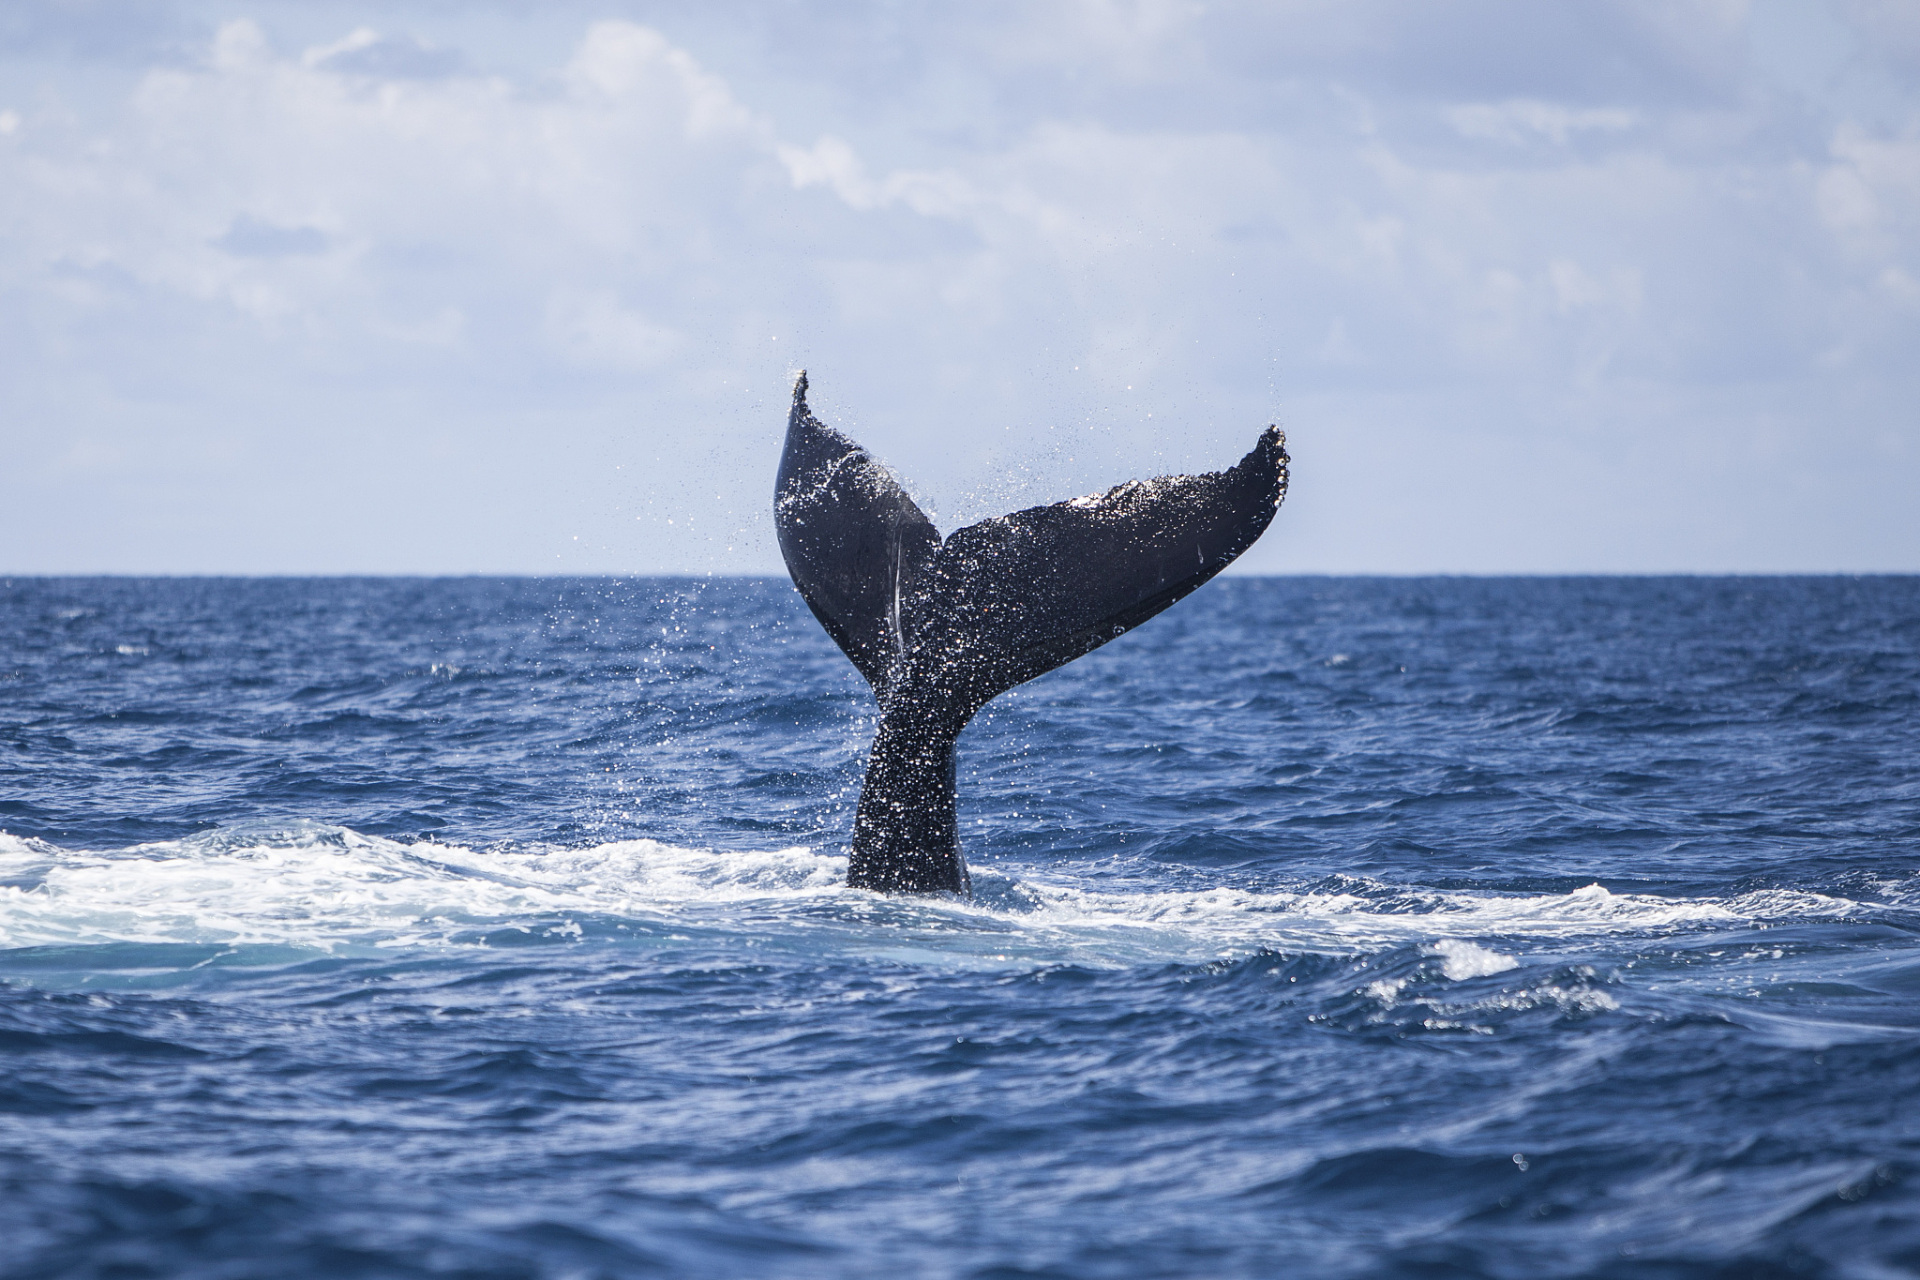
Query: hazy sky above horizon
[[445, 287]]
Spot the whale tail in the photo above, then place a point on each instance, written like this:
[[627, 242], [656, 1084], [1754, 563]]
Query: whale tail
[[941, 626]]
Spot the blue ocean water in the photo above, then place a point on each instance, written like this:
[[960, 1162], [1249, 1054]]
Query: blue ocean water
[[1323, 927]]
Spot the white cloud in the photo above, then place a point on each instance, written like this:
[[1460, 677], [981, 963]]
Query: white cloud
[[1576, 289], [1086, 241], [1523, 121], [1870, 193], [831, 163], [596, 329]]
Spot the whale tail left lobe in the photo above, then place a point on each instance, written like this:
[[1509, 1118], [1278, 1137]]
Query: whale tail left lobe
[[941, 626]]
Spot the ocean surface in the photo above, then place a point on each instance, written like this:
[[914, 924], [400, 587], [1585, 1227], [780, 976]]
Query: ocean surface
[[1323, 927]]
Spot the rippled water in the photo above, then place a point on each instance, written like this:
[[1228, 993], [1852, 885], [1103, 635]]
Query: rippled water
[[1322, 927]]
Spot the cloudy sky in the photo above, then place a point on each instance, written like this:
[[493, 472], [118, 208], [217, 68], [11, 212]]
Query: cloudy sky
[[446, 287]]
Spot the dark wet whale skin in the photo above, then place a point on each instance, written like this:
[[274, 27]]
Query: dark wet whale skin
[[939, 627]]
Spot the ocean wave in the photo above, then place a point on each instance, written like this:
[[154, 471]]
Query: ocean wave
[[320, 888]]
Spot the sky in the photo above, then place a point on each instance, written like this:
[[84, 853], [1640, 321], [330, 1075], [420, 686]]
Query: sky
[[482, 287]]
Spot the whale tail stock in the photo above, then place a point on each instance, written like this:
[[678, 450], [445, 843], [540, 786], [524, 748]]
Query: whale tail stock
[[941, 626]]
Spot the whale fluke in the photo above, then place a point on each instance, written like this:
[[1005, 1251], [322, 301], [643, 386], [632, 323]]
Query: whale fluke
[[940, 627]]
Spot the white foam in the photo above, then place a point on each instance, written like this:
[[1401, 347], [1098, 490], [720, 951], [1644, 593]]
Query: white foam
[[327, 886], [1461, 960], [318, 887], [1345, 923]]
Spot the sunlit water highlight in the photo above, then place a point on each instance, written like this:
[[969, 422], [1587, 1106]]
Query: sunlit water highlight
[[1321, 928]]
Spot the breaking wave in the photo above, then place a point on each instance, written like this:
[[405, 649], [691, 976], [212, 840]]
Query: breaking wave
[[329, 889]]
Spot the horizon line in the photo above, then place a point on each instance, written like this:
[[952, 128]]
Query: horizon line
[[7, 579]]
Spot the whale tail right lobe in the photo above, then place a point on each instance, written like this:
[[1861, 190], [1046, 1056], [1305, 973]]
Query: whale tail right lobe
[[939, 627]]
